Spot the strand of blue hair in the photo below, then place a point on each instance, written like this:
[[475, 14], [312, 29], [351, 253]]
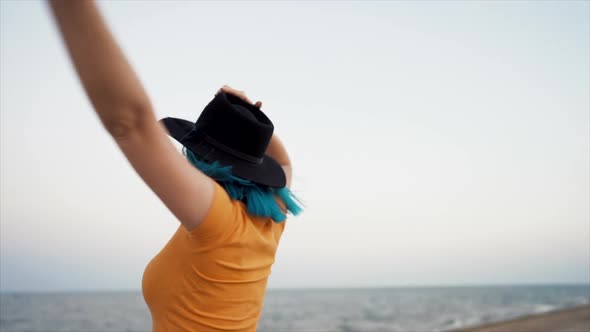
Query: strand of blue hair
[[260, 200]]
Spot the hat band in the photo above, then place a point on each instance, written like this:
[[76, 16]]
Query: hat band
[[231, 151]]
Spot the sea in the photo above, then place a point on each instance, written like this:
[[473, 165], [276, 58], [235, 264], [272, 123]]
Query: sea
[[363, 310]]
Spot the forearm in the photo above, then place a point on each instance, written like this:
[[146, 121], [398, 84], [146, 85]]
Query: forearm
[[277, 151], [107, 77]]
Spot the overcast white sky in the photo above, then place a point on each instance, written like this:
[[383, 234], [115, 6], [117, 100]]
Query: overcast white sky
[[434, 143]]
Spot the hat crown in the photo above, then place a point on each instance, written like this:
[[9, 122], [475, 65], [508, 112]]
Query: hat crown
[[233, 133], [235, 126]]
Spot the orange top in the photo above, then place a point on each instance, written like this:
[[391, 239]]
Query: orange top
[[214, 277]]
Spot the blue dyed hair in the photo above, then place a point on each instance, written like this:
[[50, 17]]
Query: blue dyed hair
[[259, 200]]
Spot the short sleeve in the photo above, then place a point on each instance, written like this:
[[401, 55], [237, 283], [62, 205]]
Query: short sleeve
[[221, 217]]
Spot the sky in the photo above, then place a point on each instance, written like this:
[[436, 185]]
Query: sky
[[433, 143]]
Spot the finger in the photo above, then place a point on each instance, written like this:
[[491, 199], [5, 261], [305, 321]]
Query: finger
[[238, 93], [229, 89]]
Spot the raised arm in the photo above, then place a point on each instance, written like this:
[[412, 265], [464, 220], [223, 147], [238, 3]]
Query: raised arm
[[277, 151], [126, 112], [109, 81]]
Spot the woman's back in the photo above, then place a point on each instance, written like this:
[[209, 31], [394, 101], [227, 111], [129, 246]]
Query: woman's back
[[213, 277]]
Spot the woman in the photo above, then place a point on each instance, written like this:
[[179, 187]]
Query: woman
[[231, 197]]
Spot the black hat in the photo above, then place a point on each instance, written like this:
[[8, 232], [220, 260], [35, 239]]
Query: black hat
[[234, 133]]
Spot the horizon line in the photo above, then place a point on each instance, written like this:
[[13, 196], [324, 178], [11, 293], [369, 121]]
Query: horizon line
[[313, 288]]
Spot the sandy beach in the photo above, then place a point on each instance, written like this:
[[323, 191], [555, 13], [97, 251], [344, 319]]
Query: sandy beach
[[567, 320]]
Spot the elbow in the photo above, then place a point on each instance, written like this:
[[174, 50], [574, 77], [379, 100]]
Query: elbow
[[126, 120]]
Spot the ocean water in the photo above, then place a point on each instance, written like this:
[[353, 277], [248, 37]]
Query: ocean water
[[386, 309]]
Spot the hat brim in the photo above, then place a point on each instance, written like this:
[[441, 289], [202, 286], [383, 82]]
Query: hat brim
[[269, 172]]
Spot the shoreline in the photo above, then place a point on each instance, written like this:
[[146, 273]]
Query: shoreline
[[575, 319]]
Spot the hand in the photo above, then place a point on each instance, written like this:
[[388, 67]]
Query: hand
[[239, 94]]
